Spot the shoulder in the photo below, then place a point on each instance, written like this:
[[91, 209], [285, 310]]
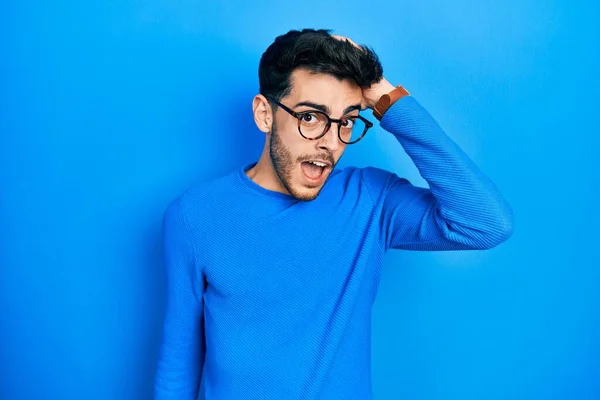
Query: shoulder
[[379, 182], [370, 182], [371, 177], [368, 173]]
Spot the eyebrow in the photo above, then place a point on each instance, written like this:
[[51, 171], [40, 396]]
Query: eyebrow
[[325, 109]]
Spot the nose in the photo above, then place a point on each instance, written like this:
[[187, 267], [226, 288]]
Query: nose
[[330, 141]]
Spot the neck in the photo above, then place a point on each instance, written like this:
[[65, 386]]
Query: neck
[[264, 175]]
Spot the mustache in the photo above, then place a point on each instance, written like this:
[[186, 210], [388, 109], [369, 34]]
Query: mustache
[[323, 157]]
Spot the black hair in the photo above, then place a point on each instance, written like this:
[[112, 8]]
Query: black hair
[[316, 51]]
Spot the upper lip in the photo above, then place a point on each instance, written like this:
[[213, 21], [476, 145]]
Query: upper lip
[[328, 164]]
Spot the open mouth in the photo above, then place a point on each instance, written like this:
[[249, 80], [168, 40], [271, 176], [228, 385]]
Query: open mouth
[[314, 171]]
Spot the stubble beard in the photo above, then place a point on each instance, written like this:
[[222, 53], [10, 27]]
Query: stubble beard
[[283, 163]]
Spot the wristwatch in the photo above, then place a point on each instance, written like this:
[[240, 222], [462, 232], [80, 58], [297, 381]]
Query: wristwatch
[[387, 100]]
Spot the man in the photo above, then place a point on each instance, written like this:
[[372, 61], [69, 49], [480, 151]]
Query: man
[[273, 269]]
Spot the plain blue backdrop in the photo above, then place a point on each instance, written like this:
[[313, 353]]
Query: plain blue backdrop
[[109, 109]]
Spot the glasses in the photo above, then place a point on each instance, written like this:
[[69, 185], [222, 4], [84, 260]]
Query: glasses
[[314, 124]]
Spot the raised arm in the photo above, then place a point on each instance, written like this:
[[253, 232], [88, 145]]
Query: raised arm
[[182, 349], [461, 210]]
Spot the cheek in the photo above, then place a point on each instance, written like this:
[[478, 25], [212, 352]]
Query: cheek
[[294, 143], [292, 136], [340, 151]]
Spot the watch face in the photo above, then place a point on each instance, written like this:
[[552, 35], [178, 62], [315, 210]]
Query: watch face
[[382, 105], [386, 100]]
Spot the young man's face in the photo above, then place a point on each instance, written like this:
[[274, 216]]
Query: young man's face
[[290, 152]]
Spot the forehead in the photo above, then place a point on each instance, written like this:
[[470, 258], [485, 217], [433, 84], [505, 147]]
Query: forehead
[[323, 89]]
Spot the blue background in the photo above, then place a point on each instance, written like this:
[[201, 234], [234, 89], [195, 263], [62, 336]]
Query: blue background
[[109, 109]]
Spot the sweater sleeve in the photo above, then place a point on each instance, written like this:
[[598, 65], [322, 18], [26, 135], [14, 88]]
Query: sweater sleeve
[[462, 209], [182, 349]]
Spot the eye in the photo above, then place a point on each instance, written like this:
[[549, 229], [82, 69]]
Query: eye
[[348, 123], [309, 118]]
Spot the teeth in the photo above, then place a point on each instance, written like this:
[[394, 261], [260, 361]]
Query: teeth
[[318, 164]]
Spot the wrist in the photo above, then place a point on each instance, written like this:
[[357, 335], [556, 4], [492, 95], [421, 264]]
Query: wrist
[[387, 100]]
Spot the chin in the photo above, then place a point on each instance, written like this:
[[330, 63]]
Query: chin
[[304, 196], [306, 193], [302, 188]]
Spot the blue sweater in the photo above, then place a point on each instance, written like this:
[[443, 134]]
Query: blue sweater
[[270, 297]]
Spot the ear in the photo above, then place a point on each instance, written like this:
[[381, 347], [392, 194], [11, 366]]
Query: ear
[[263, 114]]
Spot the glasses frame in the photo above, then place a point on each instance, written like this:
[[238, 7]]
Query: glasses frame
[[299, 115]]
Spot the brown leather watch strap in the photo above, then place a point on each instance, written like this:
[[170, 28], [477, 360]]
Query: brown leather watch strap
[[387, 100]]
